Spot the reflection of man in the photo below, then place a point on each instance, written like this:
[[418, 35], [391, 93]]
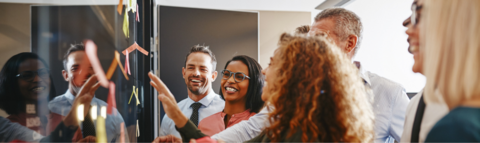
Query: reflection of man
[[198, 73], [76, 72], [390, 99]]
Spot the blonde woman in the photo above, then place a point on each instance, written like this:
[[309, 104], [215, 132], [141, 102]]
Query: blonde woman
[[450, 37], [315, 91]]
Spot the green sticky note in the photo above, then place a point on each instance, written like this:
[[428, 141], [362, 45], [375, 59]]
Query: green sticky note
[[125, 25]]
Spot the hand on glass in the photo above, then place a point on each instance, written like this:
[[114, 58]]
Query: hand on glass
[[169, 103], [83, 97], [167, 139]]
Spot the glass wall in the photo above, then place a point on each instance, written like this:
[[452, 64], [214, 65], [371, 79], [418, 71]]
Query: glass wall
[[51, 51]]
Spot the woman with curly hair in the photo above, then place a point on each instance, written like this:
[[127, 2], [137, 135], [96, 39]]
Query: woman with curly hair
[[313, 91]]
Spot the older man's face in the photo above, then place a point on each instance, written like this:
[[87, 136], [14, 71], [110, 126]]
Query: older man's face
[[327, 26]]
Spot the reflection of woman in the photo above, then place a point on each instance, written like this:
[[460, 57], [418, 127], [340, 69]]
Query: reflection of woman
[[25, 86], [241, 88], [449, 34], [315, 92]]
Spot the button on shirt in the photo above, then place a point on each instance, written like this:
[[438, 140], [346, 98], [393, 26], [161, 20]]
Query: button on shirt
[[215, 123], [389, 104], [211, 104], [63, 103]]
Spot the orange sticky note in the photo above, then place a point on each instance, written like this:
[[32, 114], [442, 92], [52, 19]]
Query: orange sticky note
[[91, 50], [117, 57], [122, 132], [111, 98], [127, 64], [120, 7], [133, 47], [129, 49], [111, 69]]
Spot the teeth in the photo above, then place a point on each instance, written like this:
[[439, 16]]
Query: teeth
[[230, 89], [39, 89], [193, 80]]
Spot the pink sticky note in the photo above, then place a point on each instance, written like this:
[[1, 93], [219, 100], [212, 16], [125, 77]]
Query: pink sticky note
[[111, 98], [127, 64], [91, 50], [138, 18], [122, 132], [206, 139]]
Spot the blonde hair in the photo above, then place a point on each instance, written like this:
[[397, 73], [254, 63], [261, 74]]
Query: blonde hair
[[318, 92], [451, 40]]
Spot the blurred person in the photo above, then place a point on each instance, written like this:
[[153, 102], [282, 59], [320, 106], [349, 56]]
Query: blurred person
[[25, 87], [198, 73], [419, 118], [77, 69], [390, 100], [449, 35], [308, 80]]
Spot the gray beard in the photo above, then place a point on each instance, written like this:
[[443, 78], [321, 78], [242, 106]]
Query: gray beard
[[200, 91]]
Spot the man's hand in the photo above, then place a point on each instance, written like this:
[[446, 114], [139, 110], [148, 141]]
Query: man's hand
[[83, 97], [169, 103], [167, 139]]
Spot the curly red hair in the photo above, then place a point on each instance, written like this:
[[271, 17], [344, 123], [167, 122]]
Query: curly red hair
[[317, 92]]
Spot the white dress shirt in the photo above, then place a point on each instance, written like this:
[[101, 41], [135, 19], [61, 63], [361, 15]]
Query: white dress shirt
[[433, 113], [389, 104], [211, 104]]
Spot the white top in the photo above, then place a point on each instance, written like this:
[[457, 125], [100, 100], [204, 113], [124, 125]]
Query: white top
[[211, 104], [433, 113]]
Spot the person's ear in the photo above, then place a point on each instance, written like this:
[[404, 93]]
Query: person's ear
[[65, 75], [183, 72], [351, 43], [214, 75]]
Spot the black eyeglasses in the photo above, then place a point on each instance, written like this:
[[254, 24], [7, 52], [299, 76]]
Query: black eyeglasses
[[415, 13], [237, 76], [30, 75]]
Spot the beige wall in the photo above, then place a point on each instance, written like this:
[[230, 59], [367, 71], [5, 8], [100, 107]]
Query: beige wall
[[14, 32], [274, 23]]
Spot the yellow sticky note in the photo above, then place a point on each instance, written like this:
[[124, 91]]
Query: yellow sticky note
[[125, 25], [131, 5], [101, 131]]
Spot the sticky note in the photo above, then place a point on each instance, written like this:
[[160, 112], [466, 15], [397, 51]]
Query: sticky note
[[131, 5], [117, 57], [138, 18], [91, 50], [120, 7], [138, 130], [111, 98], [111, 69], [127, 64], [137, 47], [101, 131], [31, 109], [125, 25], [134, 92], [122, 132]]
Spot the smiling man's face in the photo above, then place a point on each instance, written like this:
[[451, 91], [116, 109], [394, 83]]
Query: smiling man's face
[[78, 70], [198, 73]]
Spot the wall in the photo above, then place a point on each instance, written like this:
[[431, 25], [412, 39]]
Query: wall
[[274, 23], [14, 32]]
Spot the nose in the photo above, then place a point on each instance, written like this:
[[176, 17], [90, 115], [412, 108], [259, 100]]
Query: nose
[[36, 78], [196, 73], [231, 79]]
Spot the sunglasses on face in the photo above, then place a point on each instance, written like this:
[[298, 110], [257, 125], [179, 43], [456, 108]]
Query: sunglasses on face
[[30, 75], [237, 76]]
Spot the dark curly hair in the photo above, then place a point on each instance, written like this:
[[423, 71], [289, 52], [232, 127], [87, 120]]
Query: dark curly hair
[[255, 84], [10, 99]]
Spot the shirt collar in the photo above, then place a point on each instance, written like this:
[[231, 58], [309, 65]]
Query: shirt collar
[[362, 73], [207, 100], [70, 97]]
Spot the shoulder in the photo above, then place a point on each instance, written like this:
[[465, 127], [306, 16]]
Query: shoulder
[[460, 124], [98, 102], [382, 82], [59, 101]]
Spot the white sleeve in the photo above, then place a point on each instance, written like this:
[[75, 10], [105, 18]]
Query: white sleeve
[[245, 130]]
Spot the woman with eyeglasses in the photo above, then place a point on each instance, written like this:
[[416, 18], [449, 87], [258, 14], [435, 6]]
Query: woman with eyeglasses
[[314, 91], [241, 88], [25, 88], [449, 34]]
